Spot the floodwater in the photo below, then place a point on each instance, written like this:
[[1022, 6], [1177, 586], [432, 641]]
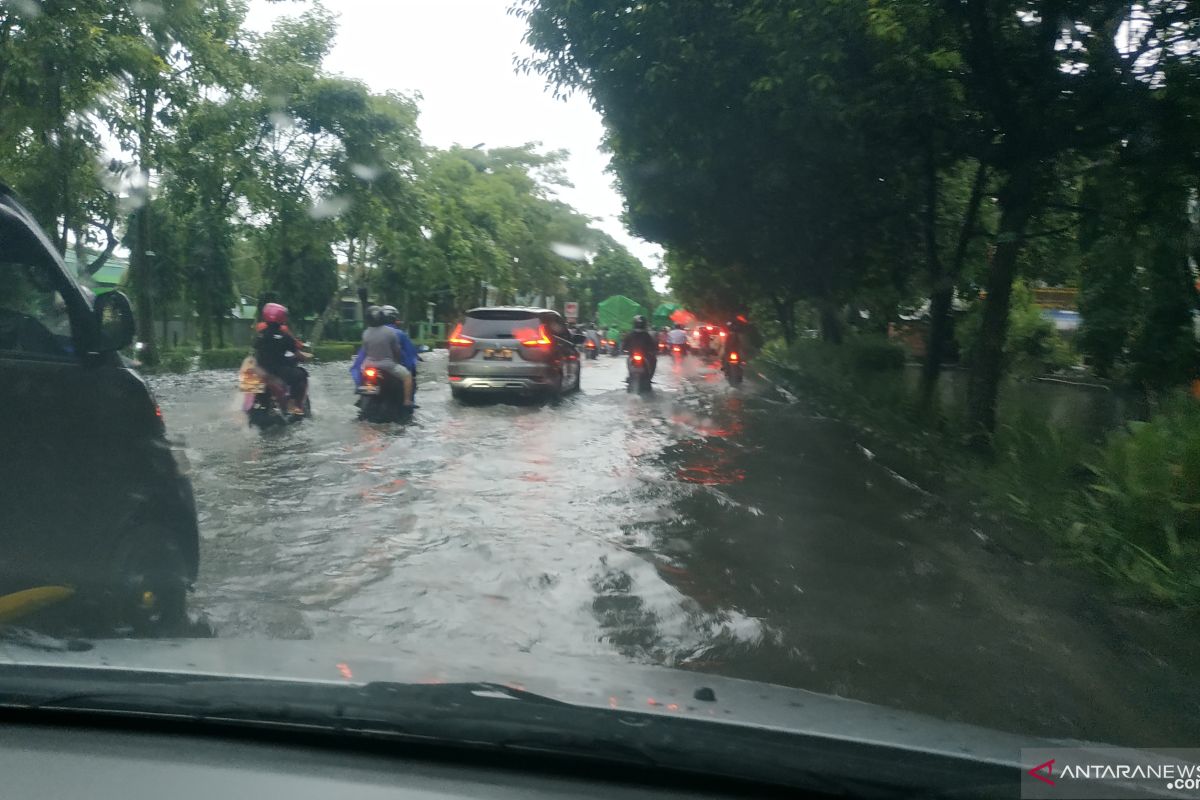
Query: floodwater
[[704, 527]]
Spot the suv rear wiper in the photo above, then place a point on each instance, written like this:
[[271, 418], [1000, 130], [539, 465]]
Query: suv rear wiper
[[502, 718]]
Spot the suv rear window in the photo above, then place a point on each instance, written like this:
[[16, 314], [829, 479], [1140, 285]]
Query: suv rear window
[[498, 324]]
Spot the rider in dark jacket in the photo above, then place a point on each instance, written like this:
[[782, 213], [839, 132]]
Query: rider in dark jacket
[[640, 340], [278, 353]]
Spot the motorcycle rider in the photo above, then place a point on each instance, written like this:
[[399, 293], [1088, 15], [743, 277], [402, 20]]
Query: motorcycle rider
[[640, 340], [592, 335], [391, 317], [381, 349], [278, 353], [677, 336]]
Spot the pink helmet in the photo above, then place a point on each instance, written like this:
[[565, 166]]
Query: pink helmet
[[273, 312]]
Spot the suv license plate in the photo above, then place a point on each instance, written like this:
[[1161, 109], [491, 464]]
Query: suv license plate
[[503, 354]]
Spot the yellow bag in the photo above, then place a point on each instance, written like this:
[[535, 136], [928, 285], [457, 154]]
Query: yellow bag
[[250, 378]]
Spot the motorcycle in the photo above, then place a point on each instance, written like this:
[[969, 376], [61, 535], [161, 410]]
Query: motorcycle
[[639, 373], [266, 398], [380, 396], [590, 347], [734, 367], [614, 347], [678, 351]]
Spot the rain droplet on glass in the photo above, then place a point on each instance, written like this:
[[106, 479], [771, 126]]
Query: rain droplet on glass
[[329, 207]]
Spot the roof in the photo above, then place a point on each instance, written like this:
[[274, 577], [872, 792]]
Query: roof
[[529, 309], [111, 274]]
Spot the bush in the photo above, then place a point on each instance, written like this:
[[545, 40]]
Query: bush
[[1032, 345], [1139, 520], [177, 361], [223, 358], [335, 351], [874, 354]]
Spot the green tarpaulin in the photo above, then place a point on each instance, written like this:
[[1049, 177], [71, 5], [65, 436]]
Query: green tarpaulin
[[662, 314], [618, 312]]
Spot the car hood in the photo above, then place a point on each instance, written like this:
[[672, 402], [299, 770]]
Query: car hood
[[593, 683]]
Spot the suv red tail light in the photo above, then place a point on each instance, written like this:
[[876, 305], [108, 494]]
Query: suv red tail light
[[458, 340], [531, 338]]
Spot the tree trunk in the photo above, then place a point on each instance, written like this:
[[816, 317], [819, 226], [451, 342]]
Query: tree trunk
[[943, 281], [785, 314], [205, 331], [1016, 200], [831, 322], [318, 331], [139, 261]]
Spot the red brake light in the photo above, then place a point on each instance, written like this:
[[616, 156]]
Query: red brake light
[[370, 373], [458, 340], [733, 357], [722, 334], [531, 338], [158, 412], [676, 348], [637, 357]]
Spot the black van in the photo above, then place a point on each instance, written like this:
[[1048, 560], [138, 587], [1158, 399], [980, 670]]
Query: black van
[[92, 499]]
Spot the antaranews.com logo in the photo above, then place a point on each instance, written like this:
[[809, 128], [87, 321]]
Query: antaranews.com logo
[[1109, 772]]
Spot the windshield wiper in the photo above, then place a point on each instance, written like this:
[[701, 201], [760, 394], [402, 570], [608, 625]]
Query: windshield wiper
[[501, 718]]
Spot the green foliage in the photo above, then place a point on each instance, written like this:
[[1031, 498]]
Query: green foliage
[[176, 361], [874, 354], [1032, 345], [335, 351], [1139, 519], [223, 357]]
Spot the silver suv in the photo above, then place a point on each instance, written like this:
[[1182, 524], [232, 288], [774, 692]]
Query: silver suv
[[513, 350]]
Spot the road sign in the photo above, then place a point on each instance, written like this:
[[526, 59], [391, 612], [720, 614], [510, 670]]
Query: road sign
[[571, 309]]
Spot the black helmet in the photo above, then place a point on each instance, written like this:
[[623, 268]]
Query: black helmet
[[678, 326], [639, 323], [390, 314], [374, 316]]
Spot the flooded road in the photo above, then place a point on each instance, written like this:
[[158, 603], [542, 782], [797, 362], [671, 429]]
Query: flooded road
[[702, 527]]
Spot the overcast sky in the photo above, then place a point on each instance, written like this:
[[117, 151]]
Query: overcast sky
[[458, 56]]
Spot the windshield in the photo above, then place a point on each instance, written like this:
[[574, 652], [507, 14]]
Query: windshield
[[498, 324], [917, 423]]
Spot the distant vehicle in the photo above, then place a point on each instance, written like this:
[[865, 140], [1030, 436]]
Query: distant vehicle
[[95, 499], [705, 339], [734, 365], [510, 349]]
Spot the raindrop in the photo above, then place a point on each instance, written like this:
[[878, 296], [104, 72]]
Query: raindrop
[[365, 172], [569, 251], [30, 8], [281, 120], [329, 207], [147, 11]]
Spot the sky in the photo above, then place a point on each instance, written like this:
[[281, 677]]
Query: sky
[[457, 55]]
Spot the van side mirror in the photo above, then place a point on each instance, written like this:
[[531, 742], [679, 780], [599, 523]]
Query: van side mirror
[[114, 321]]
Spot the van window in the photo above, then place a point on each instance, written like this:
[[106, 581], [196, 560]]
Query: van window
[[34, 320]]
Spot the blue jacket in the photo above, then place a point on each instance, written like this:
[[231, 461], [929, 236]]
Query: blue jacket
[[406, 345], [410, 351]]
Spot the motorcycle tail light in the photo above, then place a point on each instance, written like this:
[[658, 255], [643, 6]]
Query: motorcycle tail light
[[733, 357], [370, 374], [637, 358]]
